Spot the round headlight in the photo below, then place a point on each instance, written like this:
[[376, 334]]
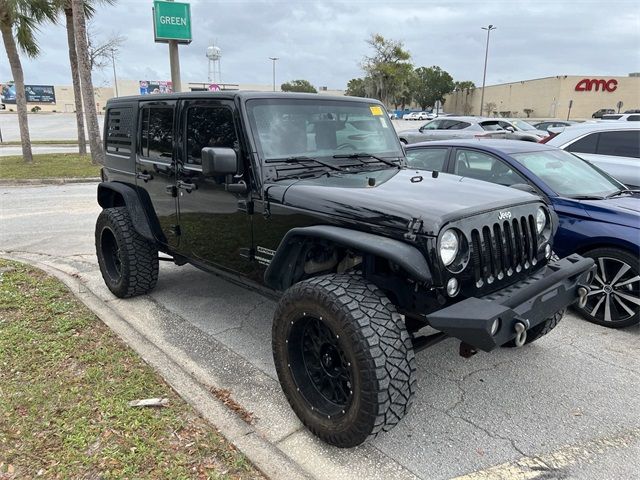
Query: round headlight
[[448, 247], [541, 220]]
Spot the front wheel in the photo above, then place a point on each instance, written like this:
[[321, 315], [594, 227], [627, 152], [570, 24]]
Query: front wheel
[[614, 294], [344, 358]]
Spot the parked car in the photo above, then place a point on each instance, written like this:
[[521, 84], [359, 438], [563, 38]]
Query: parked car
[[623, 117], [633, 110], [410, 116], [601, 112], [612, 146], [308, 199], [545, 125], [423, 116], [448, 127], [599, 218]]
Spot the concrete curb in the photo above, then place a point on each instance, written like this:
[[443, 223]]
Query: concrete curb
[[5, 182], [264, 455]]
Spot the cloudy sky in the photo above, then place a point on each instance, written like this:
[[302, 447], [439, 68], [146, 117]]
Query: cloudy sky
[[324, 41]]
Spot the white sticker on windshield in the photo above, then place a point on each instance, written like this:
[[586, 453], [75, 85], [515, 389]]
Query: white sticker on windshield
[[383, 122]]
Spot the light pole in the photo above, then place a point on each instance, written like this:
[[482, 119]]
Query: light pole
[[273, 59], [115, 78], [484, 75]]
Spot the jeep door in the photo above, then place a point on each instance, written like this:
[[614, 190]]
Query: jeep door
[[215, 227], [155, 168]]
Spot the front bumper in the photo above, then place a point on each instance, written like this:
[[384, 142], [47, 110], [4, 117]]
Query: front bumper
[[530, 301]]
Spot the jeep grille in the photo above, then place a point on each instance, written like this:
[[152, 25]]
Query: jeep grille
[[503, 249]]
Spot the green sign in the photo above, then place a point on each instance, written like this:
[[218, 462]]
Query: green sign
[[172, 21]]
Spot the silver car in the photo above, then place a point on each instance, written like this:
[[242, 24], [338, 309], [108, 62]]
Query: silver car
[[612, 146], [456, 127]]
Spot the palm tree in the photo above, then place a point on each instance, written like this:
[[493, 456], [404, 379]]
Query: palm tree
[[20, 19], [84, 68], [64, 6]]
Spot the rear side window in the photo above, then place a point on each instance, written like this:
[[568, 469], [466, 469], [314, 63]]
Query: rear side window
[[427, 158], [118, 136], [586, 144], [156, 133], [619, 144]]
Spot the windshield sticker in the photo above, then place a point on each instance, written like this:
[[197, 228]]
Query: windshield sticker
[[375, 110], [383, 123]]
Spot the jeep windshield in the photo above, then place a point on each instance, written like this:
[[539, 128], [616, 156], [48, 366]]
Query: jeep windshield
[[327, 130]]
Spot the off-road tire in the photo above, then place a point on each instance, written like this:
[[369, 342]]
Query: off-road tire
[[128, 261], [373, 338], [539, 330], [613, 255]]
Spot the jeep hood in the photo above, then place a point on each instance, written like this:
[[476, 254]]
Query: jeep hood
[[397, 197]]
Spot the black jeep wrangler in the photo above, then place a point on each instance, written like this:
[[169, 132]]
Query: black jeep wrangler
[[309, 197]]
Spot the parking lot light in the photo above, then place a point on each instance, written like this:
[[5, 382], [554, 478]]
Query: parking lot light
[[484, 75]]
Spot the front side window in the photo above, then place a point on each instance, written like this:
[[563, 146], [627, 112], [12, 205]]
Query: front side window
[[208, 127], [587, 144], [633, 118], [566, 174], [433, 125], [482, 166], [620, 144], [285, 128], [427, 158], [156, 140]]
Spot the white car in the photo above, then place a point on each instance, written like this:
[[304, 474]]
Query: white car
[[409, 116], [613, 146], [623, 117]]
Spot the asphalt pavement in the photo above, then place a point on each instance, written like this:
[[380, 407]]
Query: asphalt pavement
[[567, 406]]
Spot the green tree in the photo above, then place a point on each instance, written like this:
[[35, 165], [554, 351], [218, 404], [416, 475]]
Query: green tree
[[19, 20], [356, 87], [464, 86], [388, 70], [432, 84], [303, 86]]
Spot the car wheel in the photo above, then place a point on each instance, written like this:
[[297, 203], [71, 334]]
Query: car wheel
[[127, 260], [539, 330], [343, 357], [614, 294]]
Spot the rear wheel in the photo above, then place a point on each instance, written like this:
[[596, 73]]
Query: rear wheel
[[344, 358], [128, 261], [614, 294]]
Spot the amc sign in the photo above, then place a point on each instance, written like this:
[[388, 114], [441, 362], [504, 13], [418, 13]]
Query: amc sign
[[595, 84]]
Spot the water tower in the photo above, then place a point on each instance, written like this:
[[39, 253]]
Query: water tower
[[214, 54]]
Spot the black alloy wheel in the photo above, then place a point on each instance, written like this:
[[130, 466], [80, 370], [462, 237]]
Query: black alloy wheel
[[320, 367], [614, 293]]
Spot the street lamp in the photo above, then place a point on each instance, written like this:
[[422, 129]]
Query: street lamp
[[115, 78], [273, 59], [484, 75]]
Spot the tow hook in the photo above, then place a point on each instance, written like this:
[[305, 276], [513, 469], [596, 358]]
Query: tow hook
[[582, 296], [521, 327]]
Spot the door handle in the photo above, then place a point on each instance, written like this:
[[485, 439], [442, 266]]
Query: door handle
[[189, 187], [144, 176]]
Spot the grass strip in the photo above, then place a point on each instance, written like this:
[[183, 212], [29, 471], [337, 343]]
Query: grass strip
[[48, 165], [65, 382]]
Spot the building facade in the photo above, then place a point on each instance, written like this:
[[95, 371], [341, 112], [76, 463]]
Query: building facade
[[550, 97]]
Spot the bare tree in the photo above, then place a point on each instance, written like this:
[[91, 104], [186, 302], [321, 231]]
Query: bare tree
[[101, 52], [84, 67]]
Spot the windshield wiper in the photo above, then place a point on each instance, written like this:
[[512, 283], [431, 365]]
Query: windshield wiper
[[300, 159], [362, 155], [586, 197], [621, 192]]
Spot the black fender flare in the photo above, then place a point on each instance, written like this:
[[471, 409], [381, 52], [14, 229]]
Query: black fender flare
[[280, 271], [116, 194]]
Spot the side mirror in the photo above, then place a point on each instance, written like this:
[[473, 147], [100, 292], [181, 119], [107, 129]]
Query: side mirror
[[219, 161], [525, 187], [510, 129]]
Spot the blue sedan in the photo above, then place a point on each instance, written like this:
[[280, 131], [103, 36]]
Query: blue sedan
[[599, 217]]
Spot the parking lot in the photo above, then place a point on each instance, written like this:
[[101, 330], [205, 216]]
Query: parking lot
[[564, 407]]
